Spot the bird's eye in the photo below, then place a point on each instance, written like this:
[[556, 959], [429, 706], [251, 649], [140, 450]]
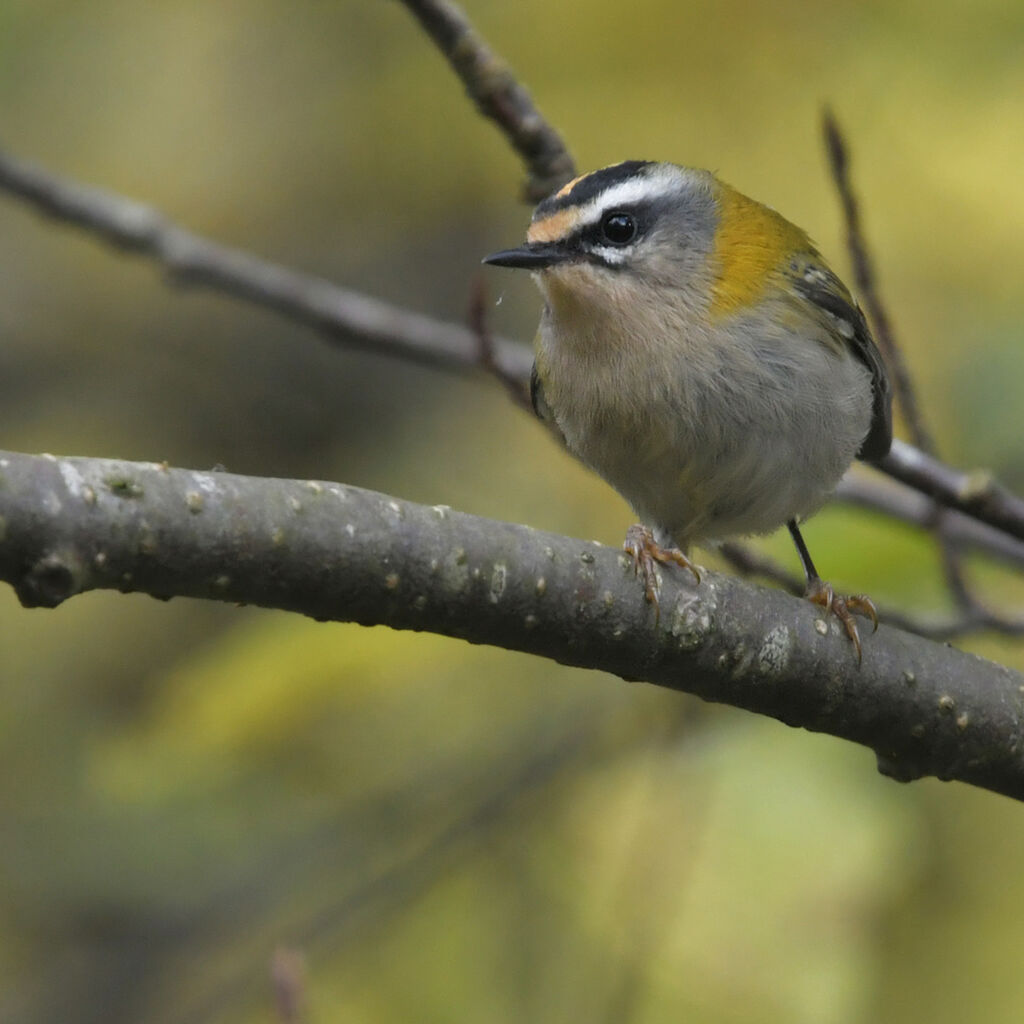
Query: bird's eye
[[618, 228]]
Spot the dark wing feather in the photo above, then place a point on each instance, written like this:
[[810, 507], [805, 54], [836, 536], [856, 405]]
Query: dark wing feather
[[541, 407], [827, 292], [537, 393]]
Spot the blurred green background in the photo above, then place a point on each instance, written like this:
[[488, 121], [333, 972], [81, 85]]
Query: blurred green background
[[445, 832]]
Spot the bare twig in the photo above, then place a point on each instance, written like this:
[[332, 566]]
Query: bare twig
[[344, 317], [744, 559], [977, 494], [518, 389], [898, 501], [867, 288], [498, 95], [341, 553], [962, 622], [864, 276]]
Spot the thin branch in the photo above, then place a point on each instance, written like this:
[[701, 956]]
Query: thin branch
[[976, 494], [867, 288], [962, 622], [340, 553], [897, 501], [745, 560], [498, 96], [517, 388], [865, 278], [345, 317]]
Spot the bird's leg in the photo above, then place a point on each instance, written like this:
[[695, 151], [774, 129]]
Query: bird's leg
[[645, 551], [820, 592]]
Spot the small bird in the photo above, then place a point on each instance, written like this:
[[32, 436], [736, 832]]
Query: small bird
[[697, 352]]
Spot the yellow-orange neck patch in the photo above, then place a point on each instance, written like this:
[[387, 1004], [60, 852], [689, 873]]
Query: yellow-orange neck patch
[[752, 245]]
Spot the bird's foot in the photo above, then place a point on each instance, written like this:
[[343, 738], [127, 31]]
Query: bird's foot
[[843, 608], [641, 546]]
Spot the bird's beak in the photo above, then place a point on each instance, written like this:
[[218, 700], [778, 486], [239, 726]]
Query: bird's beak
[[532, 256]]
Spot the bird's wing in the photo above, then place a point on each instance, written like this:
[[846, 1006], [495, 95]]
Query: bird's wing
[[820, 286]]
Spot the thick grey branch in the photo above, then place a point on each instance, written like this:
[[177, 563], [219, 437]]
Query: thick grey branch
[[340, 553]]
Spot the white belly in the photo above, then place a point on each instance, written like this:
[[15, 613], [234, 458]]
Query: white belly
[[733, 439]]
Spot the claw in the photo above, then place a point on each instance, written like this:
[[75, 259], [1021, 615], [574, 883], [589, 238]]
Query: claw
[[863, 605], [641, 546], [821, 593]]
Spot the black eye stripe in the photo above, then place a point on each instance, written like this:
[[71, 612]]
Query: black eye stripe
[[593, 184], [596, 233]]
